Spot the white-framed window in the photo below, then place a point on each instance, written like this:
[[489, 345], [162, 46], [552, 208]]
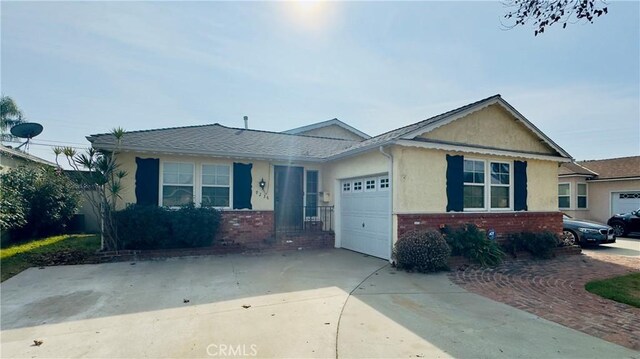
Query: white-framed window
[[370, 185], [383, 183], [564, 195], [346, 187], [357, 186], [216, 185], [500, 185], [177, 183], [581, 195], [474, 188], [488, 185], [311, 194]]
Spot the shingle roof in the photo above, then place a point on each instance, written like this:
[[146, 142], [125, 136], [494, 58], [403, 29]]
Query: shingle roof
[[225, 141], [12, 152], [623, 167], [572, 168], [327, 123]]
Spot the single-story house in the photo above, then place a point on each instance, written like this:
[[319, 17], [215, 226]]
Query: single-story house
[[483, 163], [13, 158], [598, 189]]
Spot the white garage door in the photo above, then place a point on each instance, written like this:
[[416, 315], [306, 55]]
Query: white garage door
[[365, 216], [624, 202]]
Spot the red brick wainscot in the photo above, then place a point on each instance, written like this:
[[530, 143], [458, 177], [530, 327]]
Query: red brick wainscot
[[502, 223], [255, 230], [248, 228]]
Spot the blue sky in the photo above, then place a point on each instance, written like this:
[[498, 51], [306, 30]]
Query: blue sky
[[84, 68]]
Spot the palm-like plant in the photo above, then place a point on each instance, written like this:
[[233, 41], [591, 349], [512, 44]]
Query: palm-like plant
[[10, 115]]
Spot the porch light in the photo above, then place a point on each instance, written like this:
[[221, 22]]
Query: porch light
[[262, 183]]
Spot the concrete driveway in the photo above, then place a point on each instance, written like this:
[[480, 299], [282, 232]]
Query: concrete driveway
[[321, 304]]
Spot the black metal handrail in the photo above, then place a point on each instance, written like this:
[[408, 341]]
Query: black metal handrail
[[318, 218]]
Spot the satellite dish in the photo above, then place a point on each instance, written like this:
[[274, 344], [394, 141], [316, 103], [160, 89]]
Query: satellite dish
[[26, 130]]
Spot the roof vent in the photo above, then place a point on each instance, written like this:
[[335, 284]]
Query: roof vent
[[246, 122]]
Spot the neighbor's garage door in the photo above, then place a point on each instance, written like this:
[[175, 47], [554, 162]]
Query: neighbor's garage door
[[365, 215], [624, 202]]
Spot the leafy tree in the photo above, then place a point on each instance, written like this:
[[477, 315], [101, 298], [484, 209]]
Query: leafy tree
[[36, 201], [545, 13], [10, 115], [99, 175]]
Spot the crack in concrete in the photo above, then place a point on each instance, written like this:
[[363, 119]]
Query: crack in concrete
[[346, 300]]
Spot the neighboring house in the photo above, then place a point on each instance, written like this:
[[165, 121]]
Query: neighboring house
[[12, 158], [483, 163], [598, 189]]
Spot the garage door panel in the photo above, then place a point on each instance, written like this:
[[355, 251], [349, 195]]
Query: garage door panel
[[624, 202], [370, 208]]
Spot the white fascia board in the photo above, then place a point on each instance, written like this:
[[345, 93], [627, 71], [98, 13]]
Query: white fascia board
[[615, 179], [480, 150]]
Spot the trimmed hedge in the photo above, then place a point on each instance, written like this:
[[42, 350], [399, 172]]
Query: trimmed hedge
[[472, 243], [423, 251], [540, 244], [152, 227]]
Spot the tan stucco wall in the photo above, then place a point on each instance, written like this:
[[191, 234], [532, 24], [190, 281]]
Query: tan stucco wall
[[9, 162], [599, 197], [420, 181], [493, 127], [333, 131], [369, 163], [260, 200]]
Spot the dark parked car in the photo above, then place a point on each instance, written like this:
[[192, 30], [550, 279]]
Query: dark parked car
[[625, 223], [580, 231]]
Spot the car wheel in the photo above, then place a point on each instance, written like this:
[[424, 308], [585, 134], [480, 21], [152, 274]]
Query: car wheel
[[619, 229], [570, 237]]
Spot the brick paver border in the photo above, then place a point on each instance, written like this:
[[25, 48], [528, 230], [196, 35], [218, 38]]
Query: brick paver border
[[554, 289]]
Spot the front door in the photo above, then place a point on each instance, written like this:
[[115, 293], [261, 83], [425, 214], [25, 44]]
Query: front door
[[288, 198]]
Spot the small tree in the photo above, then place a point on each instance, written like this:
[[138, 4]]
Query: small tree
[[10, 115], [36, 201], [99, 175]]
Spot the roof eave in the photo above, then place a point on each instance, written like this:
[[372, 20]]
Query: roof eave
[[191, 152]]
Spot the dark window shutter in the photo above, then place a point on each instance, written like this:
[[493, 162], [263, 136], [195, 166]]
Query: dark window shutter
[[147, 181], [242, 186], [520, 185], [455, 183]]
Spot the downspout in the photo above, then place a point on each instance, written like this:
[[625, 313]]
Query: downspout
[[390, 157]]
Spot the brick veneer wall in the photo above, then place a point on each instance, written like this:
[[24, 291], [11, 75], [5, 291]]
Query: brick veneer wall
[[503, 223], [247, 227]]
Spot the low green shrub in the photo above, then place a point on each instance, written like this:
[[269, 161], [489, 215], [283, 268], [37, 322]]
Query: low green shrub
[[539, 244], [472, 243], [151, 227], [143, 227], [423, 251]]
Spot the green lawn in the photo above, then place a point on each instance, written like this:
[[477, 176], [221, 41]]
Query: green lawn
[[64, 249], [623, 289]]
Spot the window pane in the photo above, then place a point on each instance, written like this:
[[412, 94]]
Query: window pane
[[170, 178], [563, 189], [563, 202], [177, 173], [312, 205], [185, 178], [582, 202], [582, 189], [312, 181], [473, 197], [473, 171], [176, 195], [499, 173], [499, 197], [215, 196]]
